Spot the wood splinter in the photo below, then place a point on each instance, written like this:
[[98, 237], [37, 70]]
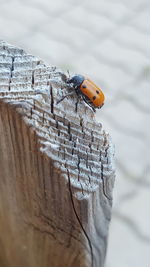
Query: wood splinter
[[56, 169]]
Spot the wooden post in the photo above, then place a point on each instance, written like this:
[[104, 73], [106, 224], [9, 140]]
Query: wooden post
[[56, 170]]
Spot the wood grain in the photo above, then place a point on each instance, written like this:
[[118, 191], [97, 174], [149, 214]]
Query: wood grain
[[56, 169]]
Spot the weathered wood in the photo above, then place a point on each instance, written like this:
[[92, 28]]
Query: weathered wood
[[56, 170]]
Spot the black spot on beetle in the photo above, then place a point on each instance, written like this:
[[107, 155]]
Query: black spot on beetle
[[97, 91], [84, 86], [94, 97]]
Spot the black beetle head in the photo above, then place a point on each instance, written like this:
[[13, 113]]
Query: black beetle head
[[77, 80]]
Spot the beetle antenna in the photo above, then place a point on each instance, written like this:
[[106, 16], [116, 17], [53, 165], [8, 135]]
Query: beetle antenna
[[68, 74]]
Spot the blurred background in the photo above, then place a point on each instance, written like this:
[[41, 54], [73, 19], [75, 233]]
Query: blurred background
[[110, 42]]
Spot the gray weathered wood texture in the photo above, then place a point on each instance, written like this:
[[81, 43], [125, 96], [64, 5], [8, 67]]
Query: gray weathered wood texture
[[56, 170]]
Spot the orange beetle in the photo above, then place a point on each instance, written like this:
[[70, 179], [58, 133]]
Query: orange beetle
[[90, 92]]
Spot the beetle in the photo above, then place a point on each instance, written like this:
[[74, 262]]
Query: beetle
[[88, 90]]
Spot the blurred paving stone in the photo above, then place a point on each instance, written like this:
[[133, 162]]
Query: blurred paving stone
[[134, 210], [130, 250]]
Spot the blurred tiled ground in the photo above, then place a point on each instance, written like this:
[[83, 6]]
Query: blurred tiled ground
[[110, 42]]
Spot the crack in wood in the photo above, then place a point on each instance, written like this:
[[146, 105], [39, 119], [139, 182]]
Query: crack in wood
[[52, 99], [79, 221], [33, 79], [103, 182]]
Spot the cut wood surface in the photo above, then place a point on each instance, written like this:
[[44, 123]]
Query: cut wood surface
[[56, 169]]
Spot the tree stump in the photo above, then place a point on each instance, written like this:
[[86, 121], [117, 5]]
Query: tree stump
[[56, 169]]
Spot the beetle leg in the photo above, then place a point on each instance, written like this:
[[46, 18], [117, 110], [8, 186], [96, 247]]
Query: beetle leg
[[64, 97], [89, 103], [92, 108], [76, 108]]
